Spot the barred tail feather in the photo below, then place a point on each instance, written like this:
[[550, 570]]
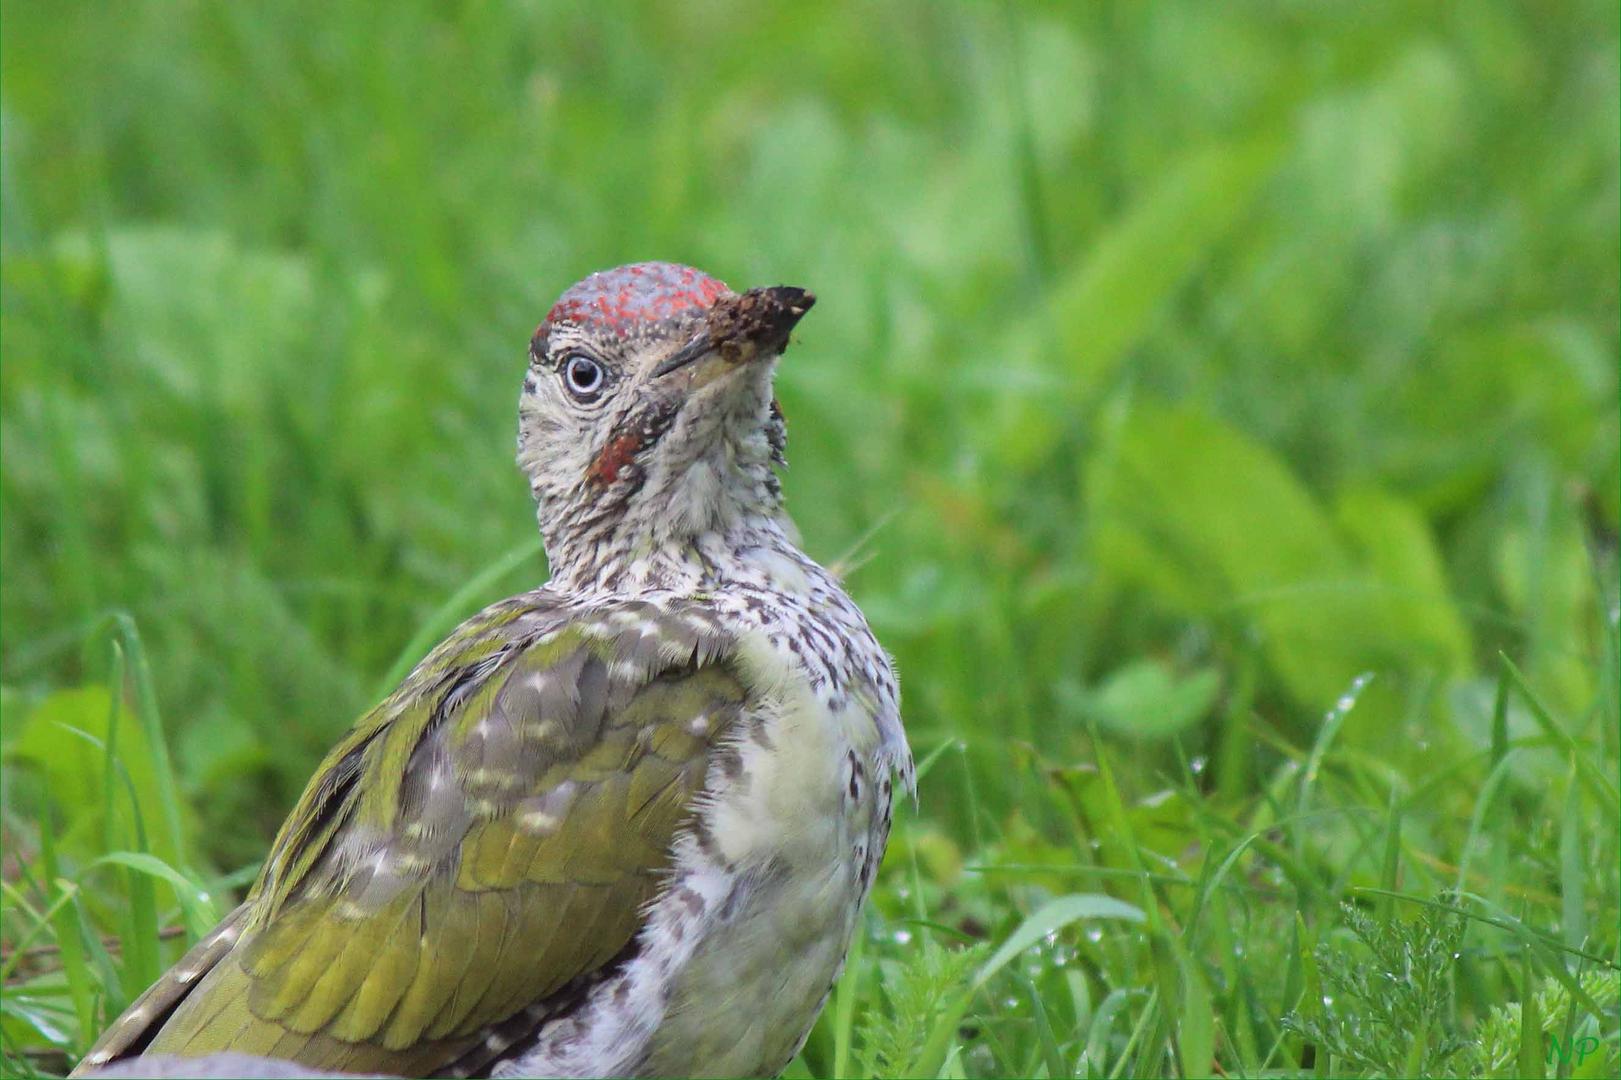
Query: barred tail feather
[[130, 1033]]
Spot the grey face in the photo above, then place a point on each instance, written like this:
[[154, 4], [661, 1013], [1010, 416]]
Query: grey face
[[647, 413]]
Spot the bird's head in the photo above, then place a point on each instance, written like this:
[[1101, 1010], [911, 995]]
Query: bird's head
[[647, 417]]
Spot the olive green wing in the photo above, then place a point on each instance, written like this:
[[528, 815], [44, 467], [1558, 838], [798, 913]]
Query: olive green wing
[[472, 854]]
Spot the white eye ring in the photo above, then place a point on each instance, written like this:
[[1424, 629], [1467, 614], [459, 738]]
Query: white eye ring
[[584, 377]]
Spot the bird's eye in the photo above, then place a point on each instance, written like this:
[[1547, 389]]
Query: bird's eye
[[584, 377]]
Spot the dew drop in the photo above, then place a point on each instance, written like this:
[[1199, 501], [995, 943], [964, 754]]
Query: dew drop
[[903, 937], [1328, 1001], [1196, 766], [1094, 935]]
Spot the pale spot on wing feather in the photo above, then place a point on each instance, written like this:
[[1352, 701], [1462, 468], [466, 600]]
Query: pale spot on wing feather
[[538, 821]]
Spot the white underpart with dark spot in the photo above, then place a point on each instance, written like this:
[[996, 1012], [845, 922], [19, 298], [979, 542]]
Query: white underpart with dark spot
[[741, 949]]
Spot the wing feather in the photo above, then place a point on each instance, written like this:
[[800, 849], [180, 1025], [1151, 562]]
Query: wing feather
[[473, 849]]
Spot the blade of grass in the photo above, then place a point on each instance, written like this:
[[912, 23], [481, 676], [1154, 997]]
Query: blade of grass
[[1477, 820], [39, 921], [1590, 773], [1046, 1042], [1196, 1022], [844, 1003], [115, 698], [66, 929], [1391, 863], [1150, 1013], [146, 709], [1310, 1000], [1232, 776], [1049, 918], [195, 901], [1332, 723], [1572, 874], [1499, 748], [140, 954], [1530, 1060], [1097, 1036]]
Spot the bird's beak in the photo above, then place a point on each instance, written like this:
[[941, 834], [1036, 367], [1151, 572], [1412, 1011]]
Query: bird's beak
[[739, 328]]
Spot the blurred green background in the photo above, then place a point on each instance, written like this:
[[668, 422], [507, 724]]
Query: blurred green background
[[1173, 366]]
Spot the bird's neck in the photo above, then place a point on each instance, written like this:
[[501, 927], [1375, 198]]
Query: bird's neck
[[629, 563]]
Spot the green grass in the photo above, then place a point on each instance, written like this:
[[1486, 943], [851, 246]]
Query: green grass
[[1214, 409]]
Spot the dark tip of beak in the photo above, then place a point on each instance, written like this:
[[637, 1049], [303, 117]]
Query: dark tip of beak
[[793, 301], [763, 317]]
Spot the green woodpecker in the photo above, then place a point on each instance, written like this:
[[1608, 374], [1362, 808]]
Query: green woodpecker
[[621, 825]]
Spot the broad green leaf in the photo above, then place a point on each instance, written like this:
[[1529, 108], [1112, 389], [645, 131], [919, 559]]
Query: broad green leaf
[[1399, 553], [1110, 302], [75, 767], [1216, 527]]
